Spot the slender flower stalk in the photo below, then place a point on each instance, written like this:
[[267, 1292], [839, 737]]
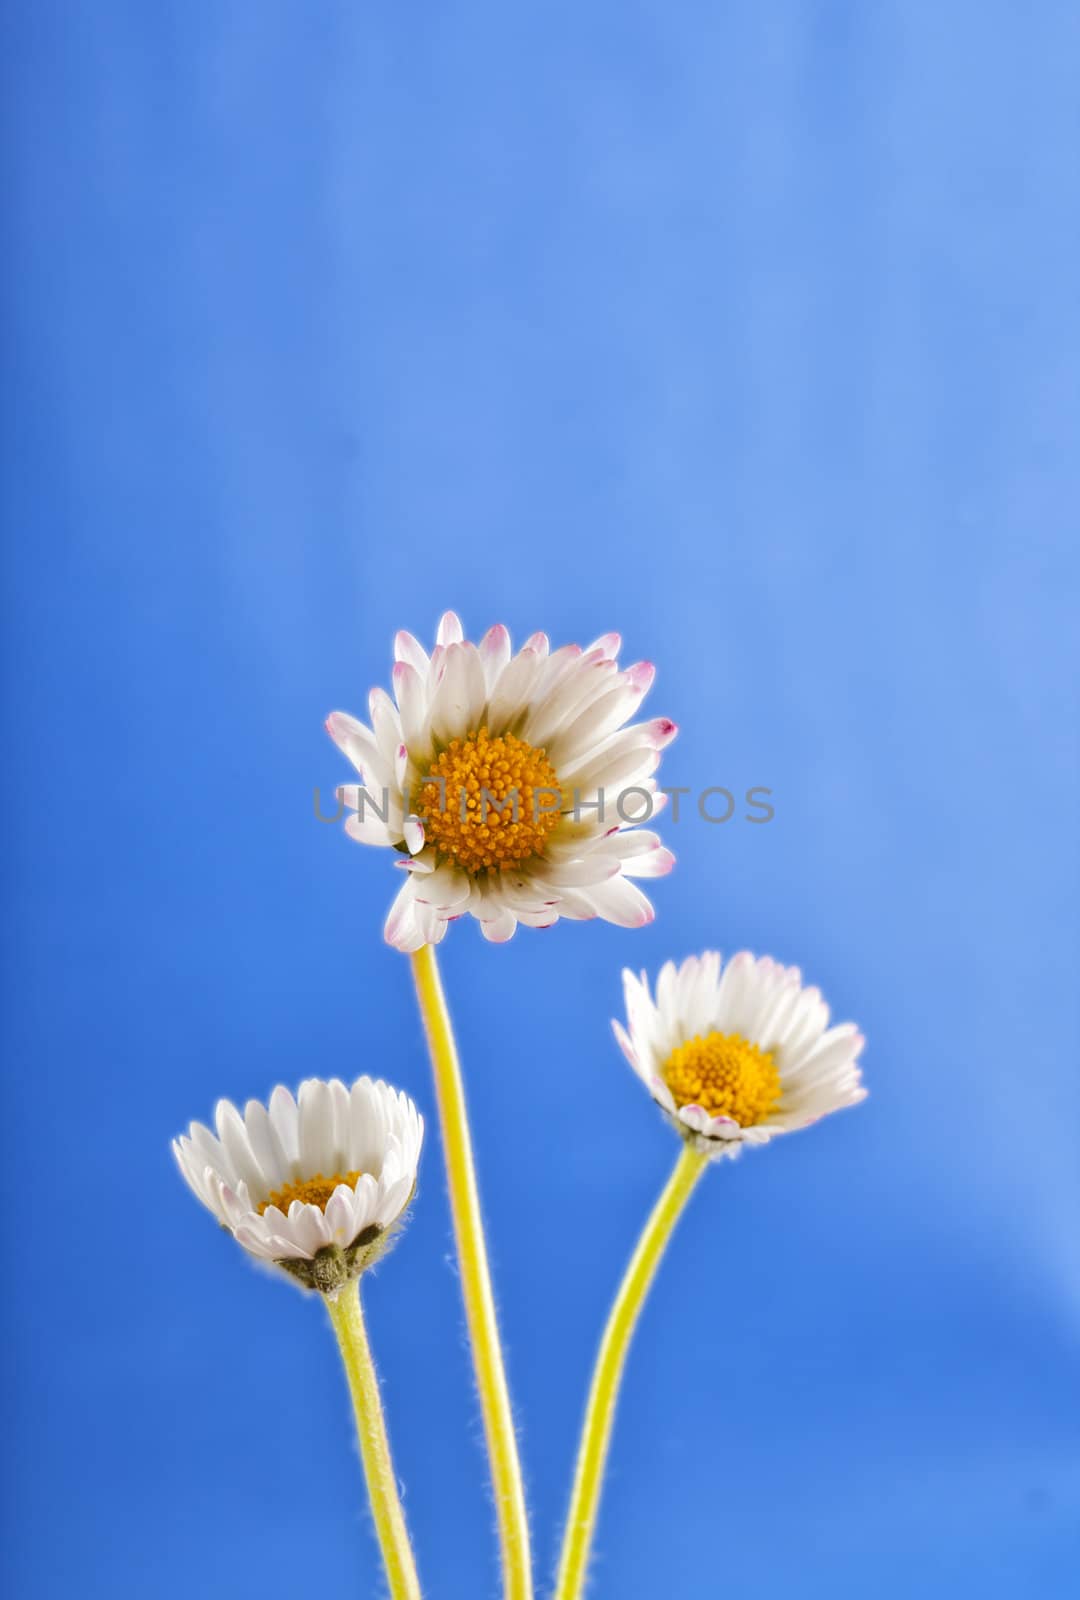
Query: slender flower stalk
[[347, 1320], [476, 1281], [607, 1374]]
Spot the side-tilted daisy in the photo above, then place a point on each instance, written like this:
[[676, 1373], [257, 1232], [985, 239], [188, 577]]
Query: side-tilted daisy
[[508, 783], [733, 1056], [316, 1185]]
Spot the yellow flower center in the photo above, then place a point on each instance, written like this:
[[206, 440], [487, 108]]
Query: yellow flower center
[[725, 1075], [314, 1191], [491, 803]]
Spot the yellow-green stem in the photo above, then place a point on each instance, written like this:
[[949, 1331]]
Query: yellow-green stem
[[476, 1282], [604, 1390], [347, 1320]]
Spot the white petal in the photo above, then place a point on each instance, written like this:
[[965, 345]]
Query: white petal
[[494, 654], [340, 1213], [285, 1117], [447, 888], [368, 829], [360, 746], [369, 1125], [640, 851], [809, 1019], [662, 1094], [386, 725], [404, 928], [410, 650], [201, 1178], [621, 902], [600, 718], [450, 630], [626, 1044], [589, 869], [307, 1228], [608, 646], [834, 1051], [500, 927], [316, 1128], [727, 1016], [413, 707], [575, 685], [233, 1134], [460, 695], [511, 694], [258, 1242], [267, 1146]]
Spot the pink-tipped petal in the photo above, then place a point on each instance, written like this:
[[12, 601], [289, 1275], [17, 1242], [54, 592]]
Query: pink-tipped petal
[[607, 646], [661, 731], [409, 649], [450, 629], [654, 864], [641, 676], [343, 729], [500, 928], [625, 1045], [495, 652]]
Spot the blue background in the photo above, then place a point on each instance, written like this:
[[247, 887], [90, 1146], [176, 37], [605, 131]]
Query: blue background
[[752, 331]]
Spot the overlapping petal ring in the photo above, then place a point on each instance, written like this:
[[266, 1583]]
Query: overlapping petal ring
[[564, 711]]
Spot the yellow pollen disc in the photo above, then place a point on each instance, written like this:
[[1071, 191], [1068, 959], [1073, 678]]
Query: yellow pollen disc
[[498, 801], [726, 1075], [314, 1191]]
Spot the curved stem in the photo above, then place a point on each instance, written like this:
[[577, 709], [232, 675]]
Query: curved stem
[[476, 1281], [604, 1390], [347, 1320]]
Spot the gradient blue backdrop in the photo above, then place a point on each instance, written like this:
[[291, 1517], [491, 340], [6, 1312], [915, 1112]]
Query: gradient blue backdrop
[[753, 331]]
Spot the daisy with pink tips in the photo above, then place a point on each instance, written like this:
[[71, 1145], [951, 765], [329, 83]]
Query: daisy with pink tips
[[737, 1054], [513, 785]]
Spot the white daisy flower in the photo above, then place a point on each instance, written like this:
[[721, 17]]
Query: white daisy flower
[[315, 1184], [737, 1057], [509, 784]]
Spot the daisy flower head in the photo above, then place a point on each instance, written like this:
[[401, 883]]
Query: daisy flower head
[[737, 1054], [314, 1185], [509, 784]]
